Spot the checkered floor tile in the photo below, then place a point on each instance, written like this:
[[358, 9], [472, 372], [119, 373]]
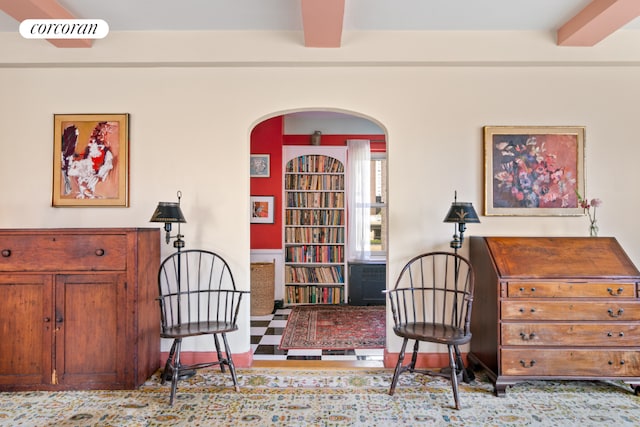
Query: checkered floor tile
[[266, 333]]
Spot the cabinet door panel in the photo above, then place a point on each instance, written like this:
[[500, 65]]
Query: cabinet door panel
[[90, 329], [25, 328]]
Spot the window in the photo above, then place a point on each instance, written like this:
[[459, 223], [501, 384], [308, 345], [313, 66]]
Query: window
[[378, 204]]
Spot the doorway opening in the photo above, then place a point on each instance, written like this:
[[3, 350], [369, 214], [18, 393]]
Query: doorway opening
[[309, 228]]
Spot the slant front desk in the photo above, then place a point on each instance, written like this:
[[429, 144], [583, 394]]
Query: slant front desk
[[555, 308]]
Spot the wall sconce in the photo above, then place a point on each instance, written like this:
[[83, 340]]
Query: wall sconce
[[170, 212], [316, 137], [461, 213]]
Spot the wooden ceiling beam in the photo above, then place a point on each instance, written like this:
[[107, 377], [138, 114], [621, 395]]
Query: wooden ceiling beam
[[322, 21], [597, 21], [42, 9]]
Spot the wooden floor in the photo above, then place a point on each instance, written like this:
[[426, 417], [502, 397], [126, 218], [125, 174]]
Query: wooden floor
[[317, 364]]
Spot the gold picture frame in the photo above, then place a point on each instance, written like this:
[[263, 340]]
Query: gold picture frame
[[534, 170], [90, 160]]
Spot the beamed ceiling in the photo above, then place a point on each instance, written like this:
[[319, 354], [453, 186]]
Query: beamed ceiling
[[322, 22]]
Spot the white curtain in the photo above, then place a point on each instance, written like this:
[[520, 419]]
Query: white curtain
[[359, 199]]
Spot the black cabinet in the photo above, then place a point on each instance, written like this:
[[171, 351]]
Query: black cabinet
[[366, 283]]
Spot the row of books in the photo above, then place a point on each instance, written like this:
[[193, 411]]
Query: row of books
[[314, 163], [314, 217], [314, 234], [314, 182], [315, 253], [315, 200], [305, 275], [315, 295]]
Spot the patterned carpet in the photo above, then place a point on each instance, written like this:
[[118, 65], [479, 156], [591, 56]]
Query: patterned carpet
[[335, 327], [357, 397]]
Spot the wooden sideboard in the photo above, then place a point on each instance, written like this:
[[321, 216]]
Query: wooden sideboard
[[78, 308], [555, 308]]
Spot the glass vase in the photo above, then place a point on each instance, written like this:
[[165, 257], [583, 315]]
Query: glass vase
[[593, 229]]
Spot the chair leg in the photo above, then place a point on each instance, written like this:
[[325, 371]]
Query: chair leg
[[398, 369], [414, 356], [219, 352], [454, 376], [167, 366], [176, 371], [232, 367], [467, 373]]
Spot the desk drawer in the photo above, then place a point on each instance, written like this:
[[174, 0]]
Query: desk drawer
[[66, 252], [571, 362], [570, 310], [571, 290], [610, 334]]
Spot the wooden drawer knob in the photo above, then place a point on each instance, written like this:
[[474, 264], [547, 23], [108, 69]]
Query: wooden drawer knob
[[6, 253]]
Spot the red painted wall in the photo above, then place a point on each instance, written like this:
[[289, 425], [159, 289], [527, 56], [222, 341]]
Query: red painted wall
[[267, 138]]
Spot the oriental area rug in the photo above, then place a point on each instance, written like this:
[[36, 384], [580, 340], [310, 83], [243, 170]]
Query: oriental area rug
[[341, 398], [334, 327]]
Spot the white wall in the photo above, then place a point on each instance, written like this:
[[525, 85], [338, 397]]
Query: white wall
[[193, 102]]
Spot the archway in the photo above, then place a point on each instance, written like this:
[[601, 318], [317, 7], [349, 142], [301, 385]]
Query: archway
[[293, 130]]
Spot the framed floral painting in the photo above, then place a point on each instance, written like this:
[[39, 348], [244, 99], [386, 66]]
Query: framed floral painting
[[533, 171], [91, 160]]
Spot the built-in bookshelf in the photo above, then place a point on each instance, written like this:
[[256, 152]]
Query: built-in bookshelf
[[315, 233]]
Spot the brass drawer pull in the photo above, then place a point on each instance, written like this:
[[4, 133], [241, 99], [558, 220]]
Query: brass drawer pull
[[611, 362], [527, 337], [522, 310], [99, 252], [6, 253], [620, 311], [618, 292], [525, 365], [620, 334]]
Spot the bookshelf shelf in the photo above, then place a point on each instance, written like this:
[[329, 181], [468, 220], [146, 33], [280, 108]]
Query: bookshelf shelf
[[314, 225]]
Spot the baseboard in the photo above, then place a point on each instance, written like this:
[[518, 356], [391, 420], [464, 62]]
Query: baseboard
[[424, 361], [240, 360]]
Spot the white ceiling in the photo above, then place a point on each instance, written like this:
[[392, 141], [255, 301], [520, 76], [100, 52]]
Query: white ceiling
[[359, 15]]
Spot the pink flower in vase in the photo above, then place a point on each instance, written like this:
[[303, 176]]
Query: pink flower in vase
[[586, 205]]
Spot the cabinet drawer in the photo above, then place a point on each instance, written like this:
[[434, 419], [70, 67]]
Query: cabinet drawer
[[570, 362], [571, 290], [63, 252], [570, 310], [610, 334]]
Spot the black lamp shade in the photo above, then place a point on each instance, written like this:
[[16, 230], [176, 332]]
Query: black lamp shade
[[168, 212], [462, 213]]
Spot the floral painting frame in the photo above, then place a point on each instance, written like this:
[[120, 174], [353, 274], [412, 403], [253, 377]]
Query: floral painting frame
[[90, 160], [262, 209], [260, 166], [534, 170]]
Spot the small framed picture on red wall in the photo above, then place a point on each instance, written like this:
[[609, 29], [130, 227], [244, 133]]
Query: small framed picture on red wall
[[259, 166], [262, 209]]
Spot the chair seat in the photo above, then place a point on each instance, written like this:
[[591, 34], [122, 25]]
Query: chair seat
[[432, 332], [200, 328]]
